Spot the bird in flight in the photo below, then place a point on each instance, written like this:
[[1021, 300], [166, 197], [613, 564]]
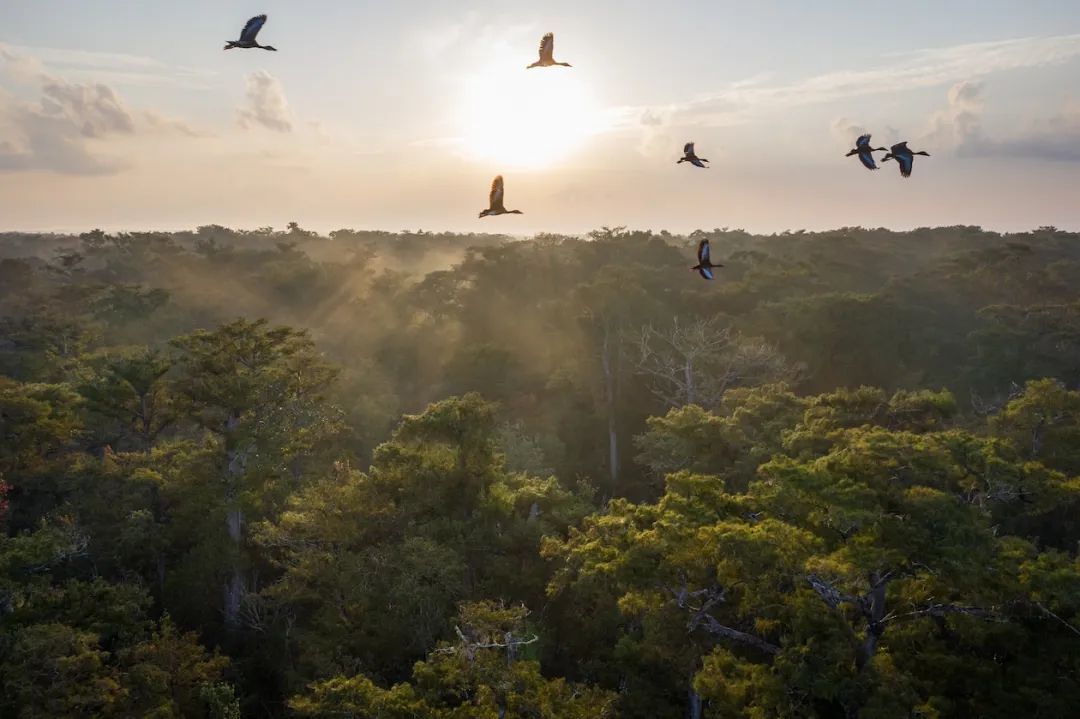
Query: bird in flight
[[248, 35], [704, 262], [495, 200], [904, 157], [547, 50], [865, 152], [689, 156]]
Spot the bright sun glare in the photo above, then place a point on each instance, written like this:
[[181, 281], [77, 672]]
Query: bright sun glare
[[527, 118]]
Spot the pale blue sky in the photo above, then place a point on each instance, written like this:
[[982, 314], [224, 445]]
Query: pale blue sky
[[127, 114]]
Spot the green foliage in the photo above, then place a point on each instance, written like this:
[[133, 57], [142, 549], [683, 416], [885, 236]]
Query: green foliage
[[850, 579], [344, 507], [437, 519], [479, 675]]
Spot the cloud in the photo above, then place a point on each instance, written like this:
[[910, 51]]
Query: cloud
[[960, 123], [908, 71], [959, 126], [265, 104], [846, 131], [118, 68], [471, 38], [60, 132], [94, 109]]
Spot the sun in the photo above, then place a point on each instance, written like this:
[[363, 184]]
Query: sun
[[528, 119]]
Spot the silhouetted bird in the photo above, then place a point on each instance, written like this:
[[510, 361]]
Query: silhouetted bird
[[865, 152], [248, 35], [904, 157], [547, 50], [495, 200], [704, 263], [689, 156]]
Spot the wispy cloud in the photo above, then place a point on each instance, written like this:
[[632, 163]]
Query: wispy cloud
[[926, 68], [114, 68]]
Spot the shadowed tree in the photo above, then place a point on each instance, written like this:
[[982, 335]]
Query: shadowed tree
[[261, 393]]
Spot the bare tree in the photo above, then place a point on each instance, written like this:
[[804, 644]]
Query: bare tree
[[696, 363]]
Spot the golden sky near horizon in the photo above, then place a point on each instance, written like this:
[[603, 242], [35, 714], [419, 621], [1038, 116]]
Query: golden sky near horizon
[[128, 115]]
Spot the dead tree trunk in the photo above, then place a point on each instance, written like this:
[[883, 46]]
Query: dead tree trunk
[[610, 359], [693, 704], [234, 523]]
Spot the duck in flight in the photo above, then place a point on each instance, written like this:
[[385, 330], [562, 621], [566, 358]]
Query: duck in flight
[[904, 157], [547, 51], [689, 156], [248, 35], [704, 262], [865, 152], [495, 200]]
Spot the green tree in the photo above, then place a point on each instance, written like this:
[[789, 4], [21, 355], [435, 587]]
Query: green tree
[[260, 392], [479, 675]]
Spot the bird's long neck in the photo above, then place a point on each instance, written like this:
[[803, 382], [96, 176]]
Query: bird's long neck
[[923, 153]]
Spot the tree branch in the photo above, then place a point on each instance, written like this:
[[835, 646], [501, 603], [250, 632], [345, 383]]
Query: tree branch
[[700, 618]]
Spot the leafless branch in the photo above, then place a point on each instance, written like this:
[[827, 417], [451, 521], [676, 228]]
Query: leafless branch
[[942, 610], [700, 618], [1050, 614]]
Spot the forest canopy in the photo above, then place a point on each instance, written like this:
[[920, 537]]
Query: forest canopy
[[429, 475]]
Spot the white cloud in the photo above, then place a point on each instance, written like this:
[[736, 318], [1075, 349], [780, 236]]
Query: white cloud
[[959, 125], [62, 131], [265, 104]]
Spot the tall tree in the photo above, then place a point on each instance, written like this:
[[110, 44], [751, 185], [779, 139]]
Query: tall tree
[[261, 393]]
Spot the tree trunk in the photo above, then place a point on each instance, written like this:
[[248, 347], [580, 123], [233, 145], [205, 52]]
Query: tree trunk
[[609, 359], [874, 612], [688, 376], [693, 704], [234, 588], [234, 523]]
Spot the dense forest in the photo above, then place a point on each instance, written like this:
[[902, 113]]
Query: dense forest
[[422, 476]]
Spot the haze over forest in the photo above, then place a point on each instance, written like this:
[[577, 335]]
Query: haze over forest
[[276, 473]]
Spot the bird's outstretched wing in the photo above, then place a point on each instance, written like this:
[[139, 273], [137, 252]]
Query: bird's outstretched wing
[[899, 148], [688, 149], [495, 199], [252, 28], [863, 141], [867, 159], [547, 46], [906, 160], [706, 273], [703, 252]]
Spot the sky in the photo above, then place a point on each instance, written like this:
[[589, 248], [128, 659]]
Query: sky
[[128, 115]]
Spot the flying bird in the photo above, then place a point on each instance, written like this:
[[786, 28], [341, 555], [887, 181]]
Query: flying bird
[[689, 156], [495, 200], [704, 262], [865, 152], [248, 35], [904, 157], [547, 50]]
